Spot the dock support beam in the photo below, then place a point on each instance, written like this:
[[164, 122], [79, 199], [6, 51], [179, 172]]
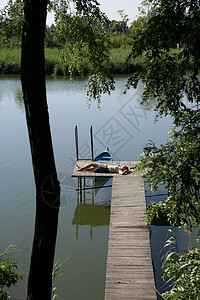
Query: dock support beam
[[77, 158], [76, 142], [92, 145]]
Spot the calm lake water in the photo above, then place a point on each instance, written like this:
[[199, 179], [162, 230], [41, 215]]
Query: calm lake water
[[124, 126]]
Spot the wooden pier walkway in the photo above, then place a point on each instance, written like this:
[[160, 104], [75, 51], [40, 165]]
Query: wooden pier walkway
[[129, 270]]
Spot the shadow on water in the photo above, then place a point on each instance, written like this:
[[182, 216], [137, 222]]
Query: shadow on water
[[89, 210], [158, 236]]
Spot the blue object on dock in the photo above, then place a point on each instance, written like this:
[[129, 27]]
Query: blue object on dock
[[104, 156]]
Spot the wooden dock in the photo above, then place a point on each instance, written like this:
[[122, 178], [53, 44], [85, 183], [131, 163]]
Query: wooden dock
[[129, 270]]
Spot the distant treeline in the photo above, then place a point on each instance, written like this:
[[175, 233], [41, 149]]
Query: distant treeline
[[120, 33], [58, 39], [120, 41]]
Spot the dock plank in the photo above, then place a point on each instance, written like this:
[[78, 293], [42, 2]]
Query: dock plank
[[129, 270]]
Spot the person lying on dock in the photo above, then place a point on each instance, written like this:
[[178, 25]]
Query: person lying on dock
[[98, 168]]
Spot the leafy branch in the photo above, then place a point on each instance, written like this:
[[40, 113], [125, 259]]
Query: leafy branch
[[181, 271], [55, 274], [8, 274], [176, 166], [87, 28]]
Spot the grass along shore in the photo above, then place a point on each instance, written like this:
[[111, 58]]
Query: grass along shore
[[10, 62]]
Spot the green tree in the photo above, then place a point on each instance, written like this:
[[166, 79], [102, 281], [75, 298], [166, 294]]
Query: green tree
[[171, 78], [51, 37], [124, 20], [164, 73], [163, 70], [138, 25], [119, 31], [176, 166], [11, 25], [11, 21], [116, 27]]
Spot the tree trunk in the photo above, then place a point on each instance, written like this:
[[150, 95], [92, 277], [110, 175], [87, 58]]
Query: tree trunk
[[47, 185]]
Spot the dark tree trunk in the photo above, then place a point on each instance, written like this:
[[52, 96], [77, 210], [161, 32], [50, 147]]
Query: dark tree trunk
[[47, 185]]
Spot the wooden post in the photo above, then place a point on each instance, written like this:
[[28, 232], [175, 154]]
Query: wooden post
[[91, 138], [81, 195], [84, 189], [76, 141]]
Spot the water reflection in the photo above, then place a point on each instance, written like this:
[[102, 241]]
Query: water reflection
[[89, 211], [10, 87], [19, 99]]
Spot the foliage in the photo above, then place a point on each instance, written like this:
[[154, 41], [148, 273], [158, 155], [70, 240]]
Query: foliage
[[176, 166], [87, 44], [175, 23], [85, 26], [175, 92], [97, 85], [181, 270], [157, 214], [11, 21], [120, 32], [124, 21], [8, 275], [120, 40], [138, 25], [51, 38], [55, 274]]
